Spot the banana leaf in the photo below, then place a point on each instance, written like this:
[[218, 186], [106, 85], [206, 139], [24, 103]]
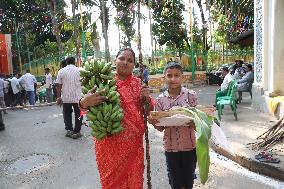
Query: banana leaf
[[203, 124]]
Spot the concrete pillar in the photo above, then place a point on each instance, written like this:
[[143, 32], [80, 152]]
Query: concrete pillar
[[276, 70]]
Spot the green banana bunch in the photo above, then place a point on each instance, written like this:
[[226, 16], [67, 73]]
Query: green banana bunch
[[105, 119]]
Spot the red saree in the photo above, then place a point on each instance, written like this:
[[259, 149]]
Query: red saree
[[120, 158]]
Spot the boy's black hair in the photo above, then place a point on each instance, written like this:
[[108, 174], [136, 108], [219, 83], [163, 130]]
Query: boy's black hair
[[172, 65], [126, 49], [225, 68]]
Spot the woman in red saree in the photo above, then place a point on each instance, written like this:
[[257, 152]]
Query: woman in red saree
[[120, 158]]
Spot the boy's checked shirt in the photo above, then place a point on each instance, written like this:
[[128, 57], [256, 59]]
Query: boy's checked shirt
[[177, 138]]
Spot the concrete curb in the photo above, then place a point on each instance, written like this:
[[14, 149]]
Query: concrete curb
[[28, 106], [251, 164]]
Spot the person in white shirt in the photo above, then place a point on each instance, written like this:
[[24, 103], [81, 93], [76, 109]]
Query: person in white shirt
[[2, 100], [48, 85], [16, 90], [29, 81], [224, 86], [69, 92]]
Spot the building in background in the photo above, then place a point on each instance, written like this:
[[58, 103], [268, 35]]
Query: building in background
[[269, 55], [6, 66]]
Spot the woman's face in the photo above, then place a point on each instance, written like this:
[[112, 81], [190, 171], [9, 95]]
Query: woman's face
[[124, 64], [173, 78]]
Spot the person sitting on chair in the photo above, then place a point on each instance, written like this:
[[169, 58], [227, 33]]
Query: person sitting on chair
[[225, 84], [244, 84]]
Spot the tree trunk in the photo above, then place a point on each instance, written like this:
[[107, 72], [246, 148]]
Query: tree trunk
[[75, 24], [103, 9], [56, 32], [95, 41], [204, 35]]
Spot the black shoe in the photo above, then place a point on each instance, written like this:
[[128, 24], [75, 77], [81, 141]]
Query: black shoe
[[69, 133], [76, 135]]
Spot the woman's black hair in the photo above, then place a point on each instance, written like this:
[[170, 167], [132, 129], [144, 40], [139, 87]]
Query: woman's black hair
[[172, 65], [126, 49]]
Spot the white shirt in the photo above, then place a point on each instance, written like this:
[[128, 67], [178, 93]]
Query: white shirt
[[48, 80], [228, 78], [69, 77], [15, 85], [28, 80]]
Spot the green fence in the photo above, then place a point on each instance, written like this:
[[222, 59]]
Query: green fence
[[191, 60]]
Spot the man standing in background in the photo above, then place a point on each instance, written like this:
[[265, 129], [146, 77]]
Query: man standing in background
[[28, 80], [16, 90], [69, 92], [48, 85], [2, 101]]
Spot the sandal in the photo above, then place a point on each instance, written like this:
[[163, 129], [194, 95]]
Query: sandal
[[263, 154], [269, 160]]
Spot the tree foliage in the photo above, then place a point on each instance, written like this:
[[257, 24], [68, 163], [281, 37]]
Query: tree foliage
[[125, 19], [169, 27]]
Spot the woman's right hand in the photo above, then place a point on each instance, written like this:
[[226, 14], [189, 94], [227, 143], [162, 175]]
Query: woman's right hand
[[92, 98]]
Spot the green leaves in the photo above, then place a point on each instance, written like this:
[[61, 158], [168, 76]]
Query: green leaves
[[203, 124]]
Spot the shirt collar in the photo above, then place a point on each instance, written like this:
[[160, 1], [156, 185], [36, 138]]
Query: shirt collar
[[182, 91]]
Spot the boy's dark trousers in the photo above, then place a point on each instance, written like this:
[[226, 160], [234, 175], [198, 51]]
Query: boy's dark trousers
[[67, 116], [181, 167]]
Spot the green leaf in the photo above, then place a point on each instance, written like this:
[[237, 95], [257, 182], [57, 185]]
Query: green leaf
[[203, 124]]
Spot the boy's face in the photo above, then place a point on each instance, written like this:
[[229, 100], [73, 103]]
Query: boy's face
[[173, 78]]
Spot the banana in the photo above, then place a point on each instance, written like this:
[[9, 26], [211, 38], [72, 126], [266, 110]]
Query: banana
[[92, 82], [106, 77], [106, 68], [113, 88], [87, 66], [95, 66], [94, 110], [101, 136], [85, 73], [114, 98], [113, 115], [97, 123], [115, 109], [109, 129], [98, 81], [117, 130], [107, 116], [91, 116], [118, 117], [103, 124], [84, 90], [101, 66], [112, 82], [100, 116], [116, 125], [102, 129], [105, 109]]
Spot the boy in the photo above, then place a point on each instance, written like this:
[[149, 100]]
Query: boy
[[179, 142]]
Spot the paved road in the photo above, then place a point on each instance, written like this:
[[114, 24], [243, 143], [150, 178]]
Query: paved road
[[71, 163]]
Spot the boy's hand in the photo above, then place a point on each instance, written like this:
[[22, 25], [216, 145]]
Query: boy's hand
[[154, 122]]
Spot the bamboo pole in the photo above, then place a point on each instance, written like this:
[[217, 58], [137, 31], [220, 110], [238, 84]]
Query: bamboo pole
[[146, 107]]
